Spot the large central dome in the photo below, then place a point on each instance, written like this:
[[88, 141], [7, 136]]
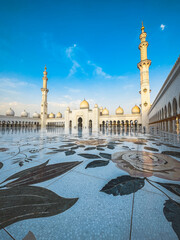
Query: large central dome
[[84, 105]]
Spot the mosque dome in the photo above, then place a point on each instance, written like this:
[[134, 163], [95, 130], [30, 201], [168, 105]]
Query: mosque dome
[[67, 109], [24, 114], [51, 115], [10, 112], [84, 105], [119, 111], [96, 106], [36, 115], [59, 115], [105, 111], [101, 108], [135, 110]]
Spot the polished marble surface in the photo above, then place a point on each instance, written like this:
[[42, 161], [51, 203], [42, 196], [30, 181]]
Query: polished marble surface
[[83, 185]]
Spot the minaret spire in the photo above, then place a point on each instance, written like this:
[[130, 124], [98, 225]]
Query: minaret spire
[[142, 25], [44, 91], [143, 66]]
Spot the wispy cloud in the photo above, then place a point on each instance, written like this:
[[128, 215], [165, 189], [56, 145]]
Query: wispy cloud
[[162, 26], [74, 68], [98, 71], [73, 90], [8, 91], [14, 83], [83, 67], [70, 51], [70, 54]]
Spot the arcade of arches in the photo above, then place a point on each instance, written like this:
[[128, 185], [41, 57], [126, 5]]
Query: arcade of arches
[[164, 114], [111, 123], [10, 123]]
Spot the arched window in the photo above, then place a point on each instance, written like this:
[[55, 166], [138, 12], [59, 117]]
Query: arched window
[[165, 112], [174, 107], [162, 113], [169, 109]]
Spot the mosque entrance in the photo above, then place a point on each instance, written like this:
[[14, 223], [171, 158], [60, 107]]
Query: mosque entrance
[[80, 122]]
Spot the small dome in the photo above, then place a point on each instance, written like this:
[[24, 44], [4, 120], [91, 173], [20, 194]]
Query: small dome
[[105, 111], [84, 105], [119, 111], [10, 112], [59, 115], [67, 109], [36, 115], [51, 115], [96, 106], [101, 108], [135, 110], [24, 114]]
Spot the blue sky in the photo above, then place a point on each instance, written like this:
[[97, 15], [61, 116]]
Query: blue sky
[[90, 49]]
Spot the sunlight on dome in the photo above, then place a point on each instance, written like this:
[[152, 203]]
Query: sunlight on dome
[[135, 110], [84, 105], [105, 111], [51, 115], [59, 115], [119, 111]]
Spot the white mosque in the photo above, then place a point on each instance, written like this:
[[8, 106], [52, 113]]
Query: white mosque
[[163, 114]]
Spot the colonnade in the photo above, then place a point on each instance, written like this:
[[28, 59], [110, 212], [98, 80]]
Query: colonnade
[[19, 123], [55, 124], [122, 123], [168, 118]]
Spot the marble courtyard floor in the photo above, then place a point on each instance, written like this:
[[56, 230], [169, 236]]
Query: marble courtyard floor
[[109, 185]]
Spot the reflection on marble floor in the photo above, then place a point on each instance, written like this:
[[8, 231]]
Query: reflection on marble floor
[[53, 182]]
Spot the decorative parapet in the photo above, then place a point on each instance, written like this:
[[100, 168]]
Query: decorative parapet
[[144, 62]]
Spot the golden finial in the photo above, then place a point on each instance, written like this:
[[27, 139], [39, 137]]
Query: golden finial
[[45, 67], [142, 28]]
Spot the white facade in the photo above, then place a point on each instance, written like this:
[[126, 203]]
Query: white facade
[[87, 118]]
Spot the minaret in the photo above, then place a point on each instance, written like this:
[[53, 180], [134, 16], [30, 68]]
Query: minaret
[[44, 91], [143, 66]]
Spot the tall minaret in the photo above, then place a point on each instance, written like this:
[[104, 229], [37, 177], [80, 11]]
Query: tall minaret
[[44, 91], [143, 66]]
